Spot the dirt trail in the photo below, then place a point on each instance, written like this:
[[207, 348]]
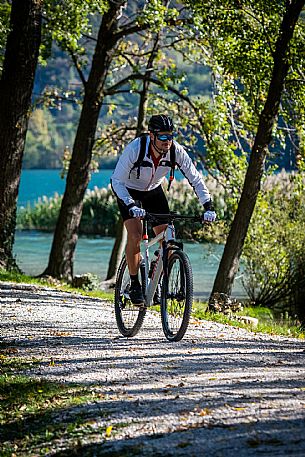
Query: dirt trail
[[221, 391]]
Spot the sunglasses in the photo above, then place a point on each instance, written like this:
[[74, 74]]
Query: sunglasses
[[165, 137]]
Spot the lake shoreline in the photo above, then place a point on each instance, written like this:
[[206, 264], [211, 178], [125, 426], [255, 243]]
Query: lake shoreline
[[32, 248]]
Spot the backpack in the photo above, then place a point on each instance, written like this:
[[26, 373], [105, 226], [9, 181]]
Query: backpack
[[140, 160]]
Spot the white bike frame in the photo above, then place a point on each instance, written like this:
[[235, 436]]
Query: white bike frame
[[152, 282]]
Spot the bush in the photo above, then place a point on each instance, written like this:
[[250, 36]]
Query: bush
[[42, 216], [100, 213], [274, 252]]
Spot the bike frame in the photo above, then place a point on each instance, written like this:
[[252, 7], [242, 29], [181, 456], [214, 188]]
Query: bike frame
[[168, 235]]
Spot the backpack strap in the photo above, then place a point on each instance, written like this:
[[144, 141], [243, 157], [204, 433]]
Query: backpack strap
[[173, 165], [137, 164]]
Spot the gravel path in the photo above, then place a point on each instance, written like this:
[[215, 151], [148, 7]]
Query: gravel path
[[221, 391]]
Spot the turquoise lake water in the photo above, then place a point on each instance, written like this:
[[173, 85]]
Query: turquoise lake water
[[32, 248], [36, 183]]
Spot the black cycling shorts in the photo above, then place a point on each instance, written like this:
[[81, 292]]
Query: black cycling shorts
[[153, 201]]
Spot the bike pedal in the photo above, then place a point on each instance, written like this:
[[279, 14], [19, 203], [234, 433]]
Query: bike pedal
[[139, 305]]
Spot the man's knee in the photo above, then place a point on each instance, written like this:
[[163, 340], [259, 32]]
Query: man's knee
[[134, 231], [159, 228]]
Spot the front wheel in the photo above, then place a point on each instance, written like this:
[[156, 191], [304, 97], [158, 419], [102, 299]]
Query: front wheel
[[129, 317], [177, 296]]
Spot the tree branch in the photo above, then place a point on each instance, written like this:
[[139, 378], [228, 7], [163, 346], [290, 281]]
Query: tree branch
[[131, 28], [77, 66], [138, 76]]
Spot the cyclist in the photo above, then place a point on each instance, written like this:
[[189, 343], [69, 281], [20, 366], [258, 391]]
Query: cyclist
[[135, 181]]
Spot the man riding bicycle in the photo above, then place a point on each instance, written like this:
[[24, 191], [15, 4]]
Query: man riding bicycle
[[135, 180]]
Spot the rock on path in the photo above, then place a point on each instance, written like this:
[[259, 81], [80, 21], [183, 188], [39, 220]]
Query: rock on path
[[221, 391]]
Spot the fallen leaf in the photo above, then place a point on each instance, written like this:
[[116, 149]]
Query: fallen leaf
[[204, 412], [57, 333], [8, 351], [108, 430]]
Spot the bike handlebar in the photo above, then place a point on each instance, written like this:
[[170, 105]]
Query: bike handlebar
[[170, 217]]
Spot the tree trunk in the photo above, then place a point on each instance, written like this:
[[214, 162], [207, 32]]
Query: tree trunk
[[230, 259], [117, 251], [16, 87], [65, 237]]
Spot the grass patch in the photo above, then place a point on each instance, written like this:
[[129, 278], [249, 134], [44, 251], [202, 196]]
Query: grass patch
[[56, 284], [267, 323], [36, 415]]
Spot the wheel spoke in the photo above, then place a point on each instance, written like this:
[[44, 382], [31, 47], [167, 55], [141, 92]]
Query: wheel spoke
[[177, 299], [129, 317]]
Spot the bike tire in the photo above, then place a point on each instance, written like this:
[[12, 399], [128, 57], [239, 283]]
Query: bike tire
[[177, 296], [129, 317]]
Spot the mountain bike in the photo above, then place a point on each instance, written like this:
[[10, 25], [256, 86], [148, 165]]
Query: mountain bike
[[170, 271]]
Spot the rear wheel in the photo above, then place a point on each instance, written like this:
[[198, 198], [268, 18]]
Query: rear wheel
[[177, 296], [129, 317]]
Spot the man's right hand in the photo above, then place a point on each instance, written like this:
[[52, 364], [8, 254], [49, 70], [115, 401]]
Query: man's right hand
[[209, 216], [135, 211]]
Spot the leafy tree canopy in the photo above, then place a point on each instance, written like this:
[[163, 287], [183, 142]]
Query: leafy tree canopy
[[5, 9], [241, 35]]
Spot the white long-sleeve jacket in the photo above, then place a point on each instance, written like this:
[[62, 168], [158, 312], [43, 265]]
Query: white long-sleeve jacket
[[150, 177]]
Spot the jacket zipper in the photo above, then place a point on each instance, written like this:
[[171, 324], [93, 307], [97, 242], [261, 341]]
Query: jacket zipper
[[152, 177]]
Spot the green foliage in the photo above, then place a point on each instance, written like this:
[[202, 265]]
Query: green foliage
[[274, 252], [242, 37], [67, 22], [156, 15], [5, 9], [100, 213], [183, 201], [267, 322], [49, 137], [17, 277], [43, 215], [87, 282]]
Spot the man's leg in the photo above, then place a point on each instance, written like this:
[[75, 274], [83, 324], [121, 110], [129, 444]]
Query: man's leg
[[159, 228], [134, 236], [157, 297]]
